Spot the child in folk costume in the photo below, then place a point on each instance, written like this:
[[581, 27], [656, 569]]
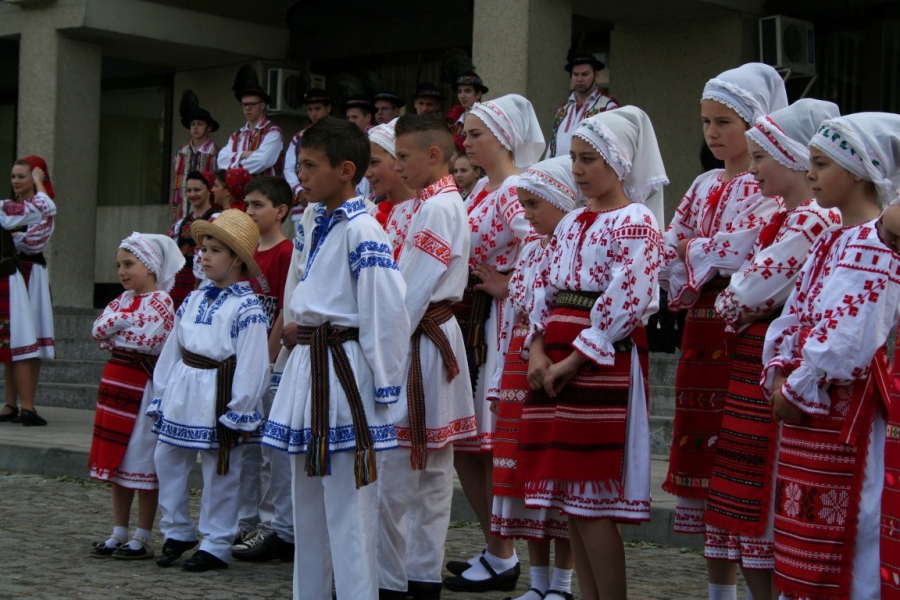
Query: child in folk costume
[[547, 192], [588, 350], [739, 511], [415, 487], [346, 367], [198, 154], [503, 137], [711, 235], [30, 242], [395, 212], [826, 370], [208, 388], [199, 196], [19, 350], [133, 327]]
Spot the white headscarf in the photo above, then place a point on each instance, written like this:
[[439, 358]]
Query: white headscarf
[[159, 253], [751, 90], [868, 145], [384, 136], [785, 133], [553, 181], [626, 140], [512, 120]]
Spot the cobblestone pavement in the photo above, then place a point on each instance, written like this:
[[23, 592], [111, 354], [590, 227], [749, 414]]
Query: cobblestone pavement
[[47, 526]]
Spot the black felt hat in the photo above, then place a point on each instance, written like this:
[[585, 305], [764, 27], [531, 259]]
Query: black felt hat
[[189, 110], [246, 83], [314, 95], [359, 101], [391, 97], [470, 78], [429, 90], [584, 59]]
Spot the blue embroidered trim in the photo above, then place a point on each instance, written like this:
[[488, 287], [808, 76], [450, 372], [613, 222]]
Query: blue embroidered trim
[[193, 436], [300, 238], [371, 254], [243, 321], [388, 392], [207, 310], [295, 441], [237, 418], [275, 381]]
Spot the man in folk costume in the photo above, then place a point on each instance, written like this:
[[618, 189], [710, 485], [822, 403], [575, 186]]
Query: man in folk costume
[[469, 89], [258, 145], [318, 105], [387, 106], [585, 101], [199, 154], [427, 98]]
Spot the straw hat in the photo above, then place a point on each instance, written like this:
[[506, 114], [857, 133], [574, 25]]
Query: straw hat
[[237, 231]]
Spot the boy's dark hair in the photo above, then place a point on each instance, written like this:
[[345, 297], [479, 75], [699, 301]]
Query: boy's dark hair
[[276, 189], [221, 174], [431, 129], [340, 141]]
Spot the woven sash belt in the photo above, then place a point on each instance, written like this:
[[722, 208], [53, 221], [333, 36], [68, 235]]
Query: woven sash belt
[[585, 301], [228, 438], [144, 362], [430, 326], [321, 339]]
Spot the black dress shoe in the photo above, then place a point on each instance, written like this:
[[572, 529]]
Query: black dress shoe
[[535, 590], [501, 582], [29, 418], [172, 551], [101, 550], [126, 552], [557, 593], [264, 547], [458, 566], [203, 561], [425, 590]]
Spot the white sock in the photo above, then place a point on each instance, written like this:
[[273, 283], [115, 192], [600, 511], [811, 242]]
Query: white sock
[[722, 592], [562, 580], [119, 534], [480, 573], [134, 544], [748, 595], [476, 560], [540, 580]]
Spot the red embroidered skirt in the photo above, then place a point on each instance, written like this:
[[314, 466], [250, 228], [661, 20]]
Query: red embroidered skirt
[[740, 489], [701, 382], [121, 390], [579, 435], [513, 389], [817, 492], [890, 498], [184, 284]]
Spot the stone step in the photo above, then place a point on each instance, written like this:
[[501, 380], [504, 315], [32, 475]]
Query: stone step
[[72, 371], [65, 395], [662, 400], [661, 435], [662, 368], [80, 349]]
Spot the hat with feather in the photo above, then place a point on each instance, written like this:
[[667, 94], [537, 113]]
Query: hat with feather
[[246, 83], [190, 110]]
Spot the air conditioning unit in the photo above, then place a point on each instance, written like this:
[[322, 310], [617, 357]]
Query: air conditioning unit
[[788, 44], [286, 89]]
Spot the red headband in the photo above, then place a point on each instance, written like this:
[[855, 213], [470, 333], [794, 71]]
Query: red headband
[[36, 162]]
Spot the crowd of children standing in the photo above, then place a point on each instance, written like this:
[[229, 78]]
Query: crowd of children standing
[[332, 384]]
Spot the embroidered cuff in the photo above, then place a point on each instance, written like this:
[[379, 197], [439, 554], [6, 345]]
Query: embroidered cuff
[[154, 408], [241, 421], [595, 347], [387, 395], [803, 391], [699, 261]]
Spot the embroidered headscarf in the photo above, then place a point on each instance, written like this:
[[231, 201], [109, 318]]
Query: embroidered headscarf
[[868, 145], [627, 142], [384, 136], [159, 253], [785, 133], [751, 90], [35, 162], [512, 120], [235, 181], [553, 181]]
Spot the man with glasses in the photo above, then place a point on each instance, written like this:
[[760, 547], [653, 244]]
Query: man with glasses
[[258, 145], [387, 107]]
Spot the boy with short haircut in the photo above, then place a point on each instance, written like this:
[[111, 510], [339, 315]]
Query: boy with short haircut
[[266, 519], [345, 369], [416, 485], [208, 386]]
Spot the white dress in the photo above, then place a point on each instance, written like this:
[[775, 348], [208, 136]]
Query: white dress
[[184, 402], [33, 241], [18, 332]]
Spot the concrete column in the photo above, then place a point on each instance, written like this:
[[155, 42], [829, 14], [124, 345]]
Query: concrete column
[[519, 46], [59, 119], [662, 68]]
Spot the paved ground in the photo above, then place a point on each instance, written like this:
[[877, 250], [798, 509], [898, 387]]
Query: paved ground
[[48, 524]]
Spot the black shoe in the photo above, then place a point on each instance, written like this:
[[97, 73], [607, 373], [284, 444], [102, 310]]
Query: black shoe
[[421, 590], [172, 551], [563, 595], [29, 418], [203, 561], [126, 552], [536, 591], [458, 566], [12, 414], [264, 547], [502, 582], [101, 550], [391, 595]]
